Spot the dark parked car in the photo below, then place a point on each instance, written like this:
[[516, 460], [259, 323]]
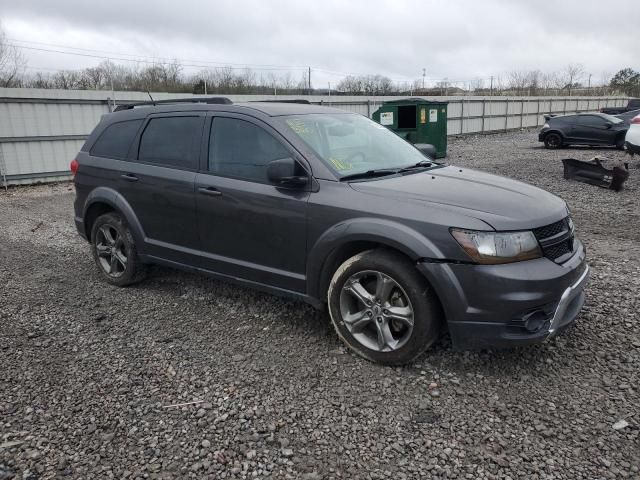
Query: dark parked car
[[626, 117], [583, 129], [633, 104], [334, 209]]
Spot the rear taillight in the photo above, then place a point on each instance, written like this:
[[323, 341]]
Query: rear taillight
[[636, 120], [74, 167]]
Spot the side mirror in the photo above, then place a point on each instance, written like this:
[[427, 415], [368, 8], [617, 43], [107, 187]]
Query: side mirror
[[608, 125], [283, 172], [427, 149]]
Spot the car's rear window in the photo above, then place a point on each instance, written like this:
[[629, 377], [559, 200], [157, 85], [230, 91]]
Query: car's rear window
[[116, 139]]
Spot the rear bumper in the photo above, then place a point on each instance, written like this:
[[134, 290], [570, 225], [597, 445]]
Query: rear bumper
[[512, 304]]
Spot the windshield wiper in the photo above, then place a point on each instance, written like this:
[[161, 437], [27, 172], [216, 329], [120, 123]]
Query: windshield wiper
[[379, 172], [420, 164]]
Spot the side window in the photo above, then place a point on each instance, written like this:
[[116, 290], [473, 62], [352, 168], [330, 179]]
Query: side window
[[591, 121], [116, 139], [171, 141], [241, 149]]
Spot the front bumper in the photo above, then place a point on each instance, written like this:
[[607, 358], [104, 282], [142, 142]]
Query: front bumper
[[635, 149], [511, 304]]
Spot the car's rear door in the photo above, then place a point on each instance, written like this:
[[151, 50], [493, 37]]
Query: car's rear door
[[158, 182], [250, 228]]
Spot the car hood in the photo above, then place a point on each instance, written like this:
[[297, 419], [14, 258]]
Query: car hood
[[501, 202]]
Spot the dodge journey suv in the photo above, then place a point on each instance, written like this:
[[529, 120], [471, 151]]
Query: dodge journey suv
[[334, 209]]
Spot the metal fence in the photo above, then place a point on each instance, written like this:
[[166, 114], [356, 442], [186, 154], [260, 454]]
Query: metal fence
[[42, 130]]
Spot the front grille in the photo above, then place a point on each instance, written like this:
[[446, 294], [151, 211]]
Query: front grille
[[550, 230], [555, 239], [556, 251]]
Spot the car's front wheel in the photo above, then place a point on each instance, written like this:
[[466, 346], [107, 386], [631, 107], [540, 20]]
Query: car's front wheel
[[114, 251], [553, 140], [382, 308]]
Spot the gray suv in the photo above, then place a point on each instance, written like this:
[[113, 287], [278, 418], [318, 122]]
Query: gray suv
[[331, 208]]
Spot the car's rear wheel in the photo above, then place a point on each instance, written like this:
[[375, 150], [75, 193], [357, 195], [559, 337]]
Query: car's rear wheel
[[114, 251], [553, 140], [382, 308]]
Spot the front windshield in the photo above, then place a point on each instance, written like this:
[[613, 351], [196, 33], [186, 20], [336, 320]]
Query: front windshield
[[611, 118], [352, 144]]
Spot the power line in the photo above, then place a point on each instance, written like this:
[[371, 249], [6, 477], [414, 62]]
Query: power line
[[151, 62], [120, 54]]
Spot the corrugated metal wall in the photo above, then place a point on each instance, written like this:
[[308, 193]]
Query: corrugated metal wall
[[42, 130]]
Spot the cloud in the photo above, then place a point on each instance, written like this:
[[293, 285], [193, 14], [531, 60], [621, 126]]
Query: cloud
[[460, 40]]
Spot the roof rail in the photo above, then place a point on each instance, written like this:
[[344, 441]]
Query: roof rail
[[209, 100], [304, 102]]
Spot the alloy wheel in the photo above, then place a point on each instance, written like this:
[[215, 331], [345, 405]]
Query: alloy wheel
[[111, 251], [376, 310]]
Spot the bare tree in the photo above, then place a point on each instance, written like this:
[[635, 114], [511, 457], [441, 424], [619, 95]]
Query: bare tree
[[12, 63], [572, 75]]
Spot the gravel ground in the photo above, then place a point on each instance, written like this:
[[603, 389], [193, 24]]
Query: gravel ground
[[90, 373]]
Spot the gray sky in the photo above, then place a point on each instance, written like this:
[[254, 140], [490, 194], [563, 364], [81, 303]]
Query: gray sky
[[456, 39]]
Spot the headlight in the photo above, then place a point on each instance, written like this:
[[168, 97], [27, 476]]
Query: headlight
[[497, 247]]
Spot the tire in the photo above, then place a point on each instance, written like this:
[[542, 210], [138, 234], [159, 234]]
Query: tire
[[620, 143], [553, 140], [370, 330], [115, 252]]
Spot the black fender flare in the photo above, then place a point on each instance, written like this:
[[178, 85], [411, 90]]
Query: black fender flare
[[116, 201], [376, 230]]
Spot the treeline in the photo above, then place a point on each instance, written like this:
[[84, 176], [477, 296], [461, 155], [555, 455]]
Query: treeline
[[165, 77], [169, 77]]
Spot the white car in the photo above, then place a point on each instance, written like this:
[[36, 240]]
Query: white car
[[632, 140]]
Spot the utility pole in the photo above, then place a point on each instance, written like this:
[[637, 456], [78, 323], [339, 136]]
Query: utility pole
[[491, 87], [589, 87], [424, 73], [329, 89], [309, 80], [205, 86]]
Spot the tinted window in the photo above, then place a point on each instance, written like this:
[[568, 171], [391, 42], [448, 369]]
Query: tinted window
[[115, 141], [171, 141], [242, 150], [564, 120], [591, 121]]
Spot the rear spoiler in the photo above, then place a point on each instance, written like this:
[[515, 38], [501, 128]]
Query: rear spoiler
[[547, 116]]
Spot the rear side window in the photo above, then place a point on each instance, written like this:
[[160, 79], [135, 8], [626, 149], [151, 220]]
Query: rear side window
[[171, 141], [116, 139], [242, 150], [565, 120], [591, 121]]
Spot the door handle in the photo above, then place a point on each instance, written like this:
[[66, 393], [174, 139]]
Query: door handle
[[129, 177], [211, 191]]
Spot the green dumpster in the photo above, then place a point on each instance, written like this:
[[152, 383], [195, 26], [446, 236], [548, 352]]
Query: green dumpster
[[416, 120]]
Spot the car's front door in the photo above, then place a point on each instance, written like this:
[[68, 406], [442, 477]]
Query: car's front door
[[250, 228], [592, 129], [159, 183]]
